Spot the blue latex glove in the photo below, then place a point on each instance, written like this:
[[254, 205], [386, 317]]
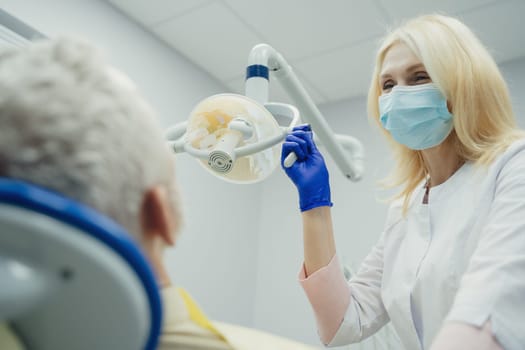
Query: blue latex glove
[[308, 173]]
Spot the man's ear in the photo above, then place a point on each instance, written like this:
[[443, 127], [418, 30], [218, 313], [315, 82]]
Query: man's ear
[[156, 215]]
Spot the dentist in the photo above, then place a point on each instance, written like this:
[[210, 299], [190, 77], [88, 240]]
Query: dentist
[[449, 268]]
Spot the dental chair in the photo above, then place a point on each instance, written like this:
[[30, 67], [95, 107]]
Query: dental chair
[[70, 278]]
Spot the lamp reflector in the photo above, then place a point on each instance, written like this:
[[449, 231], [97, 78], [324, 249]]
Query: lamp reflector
[[221, 123]]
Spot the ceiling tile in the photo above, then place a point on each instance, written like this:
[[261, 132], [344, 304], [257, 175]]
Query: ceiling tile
[[342, 73], [301, 28], [213, 38], [499, 27], [402, 9], [330, 44], [153, 11]]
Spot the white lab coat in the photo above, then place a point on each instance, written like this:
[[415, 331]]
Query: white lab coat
[[459, 258]]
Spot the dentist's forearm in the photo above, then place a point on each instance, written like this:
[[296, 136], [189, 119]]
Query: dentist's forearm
[[319, 245]]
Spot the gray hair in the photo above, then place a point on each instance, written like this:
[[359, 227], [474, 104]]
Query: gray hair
[[72, 124]]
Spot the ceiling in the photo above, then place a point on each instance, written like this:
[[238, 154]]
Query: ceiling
[[330, 44]]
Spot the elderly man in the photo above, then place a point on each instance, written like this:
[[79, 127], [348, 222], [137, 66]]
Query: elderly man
[[71, 123]]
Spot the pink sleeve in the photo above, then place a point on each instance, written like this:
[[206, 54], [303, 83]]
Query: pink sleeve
[[329, 295]]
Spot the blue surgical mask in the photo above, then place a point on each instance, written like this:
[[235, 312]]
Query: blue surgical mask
[[416, 116]]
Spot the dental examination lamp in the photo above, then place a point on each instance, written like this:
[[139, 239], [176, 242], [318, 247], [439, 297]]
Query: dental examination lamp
[[238, 138], [70, 278]]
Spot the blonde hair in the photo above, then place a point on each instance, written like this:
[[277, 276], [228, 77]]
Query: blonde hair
[[465, 72]]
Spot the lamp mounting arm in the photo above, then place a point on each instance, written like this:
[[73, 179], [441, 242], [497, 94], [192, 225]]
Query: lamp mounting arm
[[262, 59]]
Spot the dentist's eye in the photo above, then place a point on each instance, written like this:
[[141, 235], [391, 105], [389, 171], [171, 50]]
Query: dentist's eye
[[388, 85], [422, 78]]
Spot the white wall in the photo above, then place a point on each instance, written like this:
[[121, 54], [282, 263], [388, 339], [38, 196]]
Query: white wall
[[280, 304], [514, 73], [214, 257]]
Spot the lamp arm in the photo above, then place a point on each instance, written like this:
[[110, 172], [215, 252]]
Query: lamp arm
[[356, 149], [175, 136], [177, 141], [261, 145], [256, 87]]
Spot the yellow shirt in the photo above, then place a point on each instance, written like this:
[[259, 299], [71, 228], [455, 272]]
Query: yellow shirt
[[8, 340], [186, 327]]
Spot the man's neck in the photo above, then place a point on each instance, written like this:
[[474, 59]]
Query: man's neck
[[159, 268]]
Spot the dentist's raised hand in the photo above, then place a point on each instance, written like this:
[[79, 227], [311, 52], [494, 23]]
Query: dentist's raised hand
[[308, 172]]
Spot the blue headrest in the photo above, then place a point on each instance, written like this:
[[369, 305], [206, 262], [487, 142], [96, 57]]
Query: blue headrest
[[22, 194]]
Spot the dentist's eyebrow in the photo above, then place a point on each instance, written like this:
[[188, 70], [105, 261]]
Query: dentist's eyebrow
[[415, 67]]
